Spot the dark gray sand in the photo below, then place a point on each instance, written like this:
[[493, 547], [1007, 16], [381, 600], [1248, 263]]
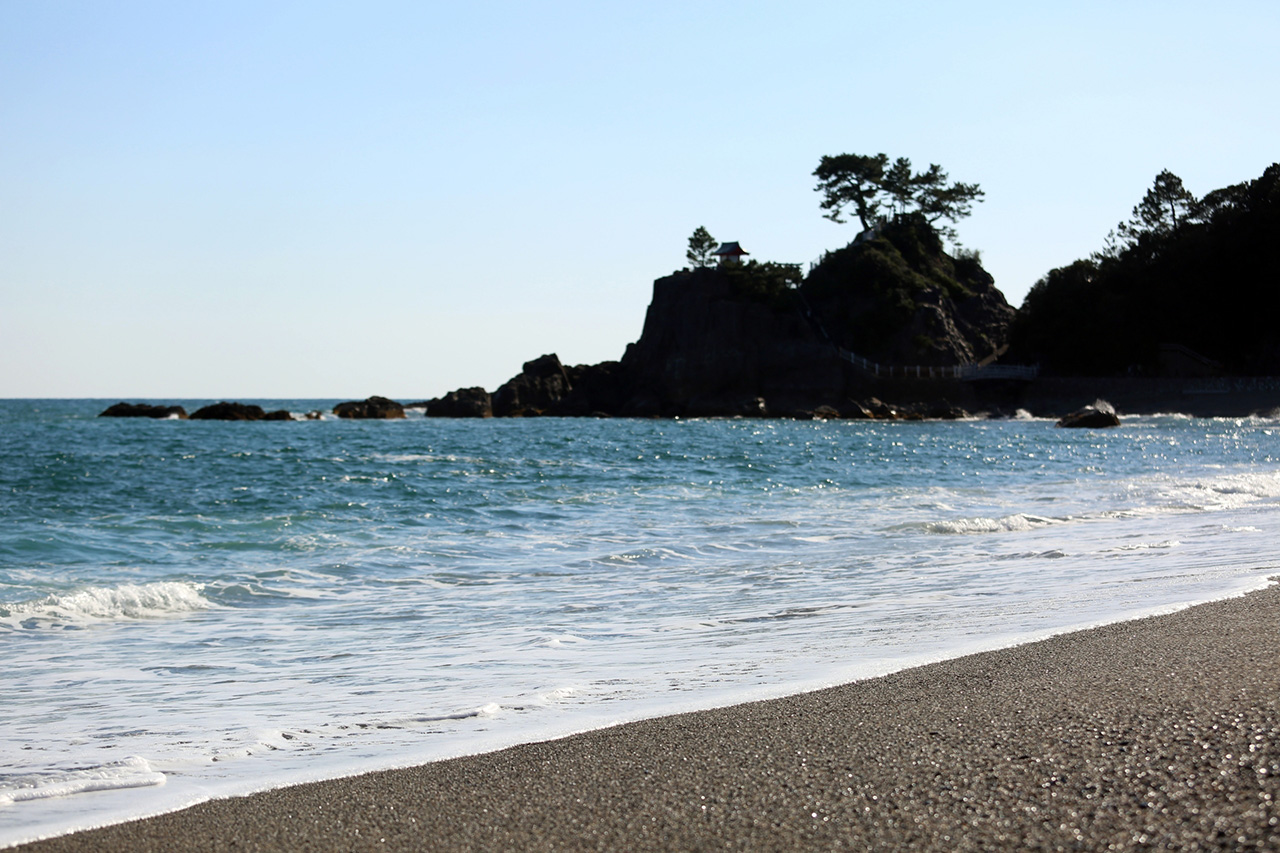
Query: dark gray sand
[[1160, 733]]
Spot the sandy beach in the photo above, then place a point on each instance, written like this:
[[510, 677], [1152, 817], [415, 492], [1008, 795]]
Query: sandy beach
[[1162, 733]]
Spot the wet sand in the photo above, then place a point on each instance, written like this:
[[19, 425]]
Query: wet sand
[[1158, 733]]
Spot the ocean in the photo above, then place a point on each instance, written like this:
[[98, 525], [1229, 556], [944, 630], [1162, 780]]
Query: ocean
[[202, 609]]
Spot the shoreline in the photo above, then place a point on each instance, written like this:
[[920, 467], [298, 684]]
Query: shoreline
[[1159, 731], [1046, 398]]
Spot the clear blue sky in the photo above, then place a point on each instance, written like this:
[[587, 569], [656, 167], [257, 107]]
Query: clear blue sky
[[245, 199]]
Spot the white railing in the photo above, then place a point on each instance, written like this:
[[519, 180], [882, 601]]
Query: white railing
[[955, 371]]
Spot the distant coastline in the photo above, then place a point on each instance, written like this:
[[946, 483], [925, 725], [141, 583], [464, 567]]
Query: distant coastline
[[1043, 397]]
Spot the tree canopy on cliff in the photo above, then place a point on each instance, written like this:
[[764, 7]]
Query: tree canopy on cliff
[[1166, 207], [869, 184], [1202, 274]]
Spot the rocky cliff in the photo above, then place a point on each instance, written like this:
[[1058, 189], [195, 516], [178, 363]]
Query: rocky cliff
[[710, 346]]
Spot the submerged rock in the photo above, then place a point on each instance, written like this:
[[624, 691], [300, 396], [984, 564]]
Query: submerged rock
[[878, 409], [942, 410], [1098, 416], [373, 408], [853, 410]]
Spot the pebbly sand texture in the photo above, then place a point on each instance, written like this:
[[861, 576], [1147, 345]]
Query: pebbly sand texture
[[1158, 734]]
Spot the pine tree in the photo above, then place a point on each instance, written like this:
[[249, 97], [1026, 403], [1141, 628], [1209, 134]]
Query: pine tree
[[701, 245]]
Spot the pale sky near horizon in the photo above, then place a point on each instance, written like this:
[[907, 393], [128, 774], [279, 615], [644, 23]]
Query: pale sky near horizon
[[246, 200]]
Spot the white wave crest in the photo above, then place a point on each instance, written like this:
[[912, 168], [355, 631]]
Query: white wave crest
[[1150, 546], [1249, 485], [1229, 491], [97, 603], [130, 773], [1007, 524], [559, 641]]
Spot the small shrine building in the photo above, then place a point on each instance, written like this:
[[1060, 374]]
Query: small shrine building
[[730, 252]]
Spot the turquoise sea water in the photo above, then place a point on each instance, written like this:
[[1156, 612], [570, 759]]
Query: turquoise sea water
[[197, 609]]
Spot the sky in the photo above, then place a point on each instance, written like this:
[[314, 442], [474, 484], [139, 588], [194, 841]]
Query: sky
[[248, 200]]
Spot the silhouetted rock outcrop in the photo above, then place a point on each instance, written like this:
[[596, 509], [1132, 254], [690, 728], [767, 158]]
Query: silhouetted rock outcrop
[[597, 389], [540, 387], [716, 340], [463, 403], [752, 340], [143, 410], [709, 345], [545, 386], [896, 297], [225, 411], [373, 408]]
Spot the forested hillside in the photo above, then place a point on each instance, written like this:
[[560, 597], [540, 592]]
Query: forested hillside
[[1184, 276]]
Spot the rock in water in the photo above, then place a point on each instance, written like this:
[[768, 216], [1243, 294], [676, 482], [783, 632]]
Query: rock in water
[[372, 408], [1100, 415], [538, 389], [225, 411], [463, 403], [143, 410]]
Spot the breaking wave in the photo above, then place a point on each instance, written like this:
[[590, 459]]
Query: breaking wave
[[102, 604], [1006, 524], [128, 773]]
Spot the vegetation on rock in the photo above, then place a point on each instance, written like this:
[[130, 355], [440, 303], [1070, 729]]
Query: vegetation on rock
[[869, 184], [765, 281]]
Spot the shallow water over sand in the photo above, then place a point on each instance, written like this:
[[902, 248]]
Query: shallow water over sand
[[191, 609]]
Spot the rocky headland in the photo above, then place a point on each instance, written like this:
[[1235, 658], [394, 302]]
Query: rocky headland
[[1175, 314], [759, 340]]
